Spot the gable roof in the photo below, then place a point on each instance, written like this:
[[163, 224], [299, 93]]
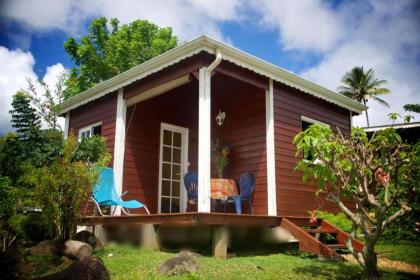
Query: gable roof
[[229, 53]]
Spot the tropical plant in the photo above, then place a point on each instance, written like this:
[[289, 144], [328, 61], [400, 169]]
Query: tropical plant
[[375, 172], [110, 49], [412, 108], [47, 101], [62, 186], [362, 86], [220, 157]]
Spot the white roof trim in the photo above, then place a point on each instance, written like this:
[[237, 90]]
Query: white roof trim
[[396, 126], [229, 53]]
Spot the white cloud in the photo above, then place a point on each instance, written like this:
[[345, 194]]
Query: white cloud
[[383, 35], [386, 39], [17, 68], [304, 25], [189, 18]]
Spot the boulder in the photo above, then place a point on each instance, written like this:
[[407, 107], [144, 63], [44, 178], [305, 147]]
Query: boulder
[[77, 250], [44, 248], [89, 238], [91, 268], [184, 262]]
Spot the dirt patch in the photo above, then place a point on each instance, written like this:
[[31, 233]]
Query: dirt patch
[[385, 263]]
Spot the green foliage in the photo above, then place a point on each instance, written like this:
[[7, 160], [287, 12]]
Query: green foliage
[[362, 86], [47, 102], [11, 157], [110, 49], [379, 173], [8, 199], [62, 186], [90, 149], [31, 227], [412, 108], [27, 123], [339, 220]]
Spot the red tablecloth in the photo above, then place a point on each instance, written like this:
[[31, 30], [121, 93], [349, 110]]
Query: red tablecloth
[[222, 188]]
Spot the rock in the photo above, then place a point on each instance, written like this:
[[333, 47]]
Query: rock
[[77, 250], [186, 253], [44, 248], [90, 268], [89, 238], [183, 262]]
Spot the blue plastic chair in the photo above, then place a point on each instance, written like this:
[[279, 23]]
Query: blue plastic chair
[[104, 193], [246, 190], [191, 186]]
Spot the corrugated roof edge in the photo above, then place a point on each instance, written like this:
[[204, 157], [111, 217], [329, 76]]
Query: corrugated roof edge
[[229, 53]]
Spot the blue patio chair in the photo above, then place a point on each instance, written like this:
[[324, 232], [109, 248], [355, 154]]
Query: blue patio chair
[[104, 193], [191, 185], [246, 190]]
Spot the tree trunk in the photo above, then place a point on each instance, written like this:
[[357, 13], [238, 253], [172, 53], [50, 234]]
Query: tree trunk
[[367, 116], [370, 260]]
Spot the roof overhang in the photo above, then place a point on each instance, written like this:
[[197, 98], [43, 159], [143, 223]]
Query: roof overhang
[[396, 126], [229, 53]]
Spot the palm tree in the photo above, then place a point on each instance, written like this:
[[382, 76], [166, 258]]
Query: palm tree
[[362, 86]]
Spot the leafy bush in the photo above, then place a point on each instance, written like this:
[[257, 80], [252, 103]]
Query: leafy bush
[[61, 187], [8, 200], [31, 227], [339, 220]]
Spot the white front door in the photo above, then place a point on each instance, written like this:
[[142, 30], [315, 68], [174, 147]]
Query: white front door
[[173, 165]]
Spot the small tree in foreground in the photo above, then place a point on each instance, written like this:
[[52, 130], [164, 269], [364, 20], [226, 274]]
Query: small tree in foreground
[[65, 184], [376, 172]]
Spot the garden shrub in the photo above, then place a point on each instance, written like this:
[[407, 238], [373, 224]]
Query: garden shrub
[[31, 227], [339, 220], [63, 186]]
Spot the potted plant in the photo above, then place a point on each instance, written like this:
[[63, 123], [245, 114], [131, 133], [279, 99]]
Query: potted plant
[[220, 157]]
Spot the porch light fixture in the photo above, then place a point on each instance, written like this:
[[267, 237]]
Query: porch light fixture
[[220, 118]]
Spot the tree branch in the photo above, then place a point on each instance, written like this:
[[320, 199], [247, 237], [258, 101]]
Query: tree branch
[[404, 209]]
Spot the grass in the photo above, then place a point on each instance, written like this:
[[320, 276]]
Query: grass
[[403, 251], [133, 263]]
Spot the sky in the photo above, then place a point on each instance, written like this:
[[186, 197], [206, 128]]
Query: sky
[[317, 39]]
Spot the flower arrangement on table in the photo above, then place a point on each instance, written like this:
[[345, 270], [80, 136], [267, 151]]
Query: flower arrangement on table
[[220, 157]]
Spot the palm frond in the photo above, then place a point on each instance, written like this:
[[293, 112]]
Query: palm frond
[[380, 101]]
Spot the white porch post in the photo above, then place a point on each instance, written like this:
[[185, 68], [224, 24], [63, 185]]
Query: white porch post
[[119, 145], [66, 125], [204, 133], [271, 168]]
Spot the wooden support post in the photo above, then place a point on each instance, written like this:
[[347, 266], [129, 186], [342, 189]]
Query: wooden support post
[[220, 242], [149, 237], [100, 233]]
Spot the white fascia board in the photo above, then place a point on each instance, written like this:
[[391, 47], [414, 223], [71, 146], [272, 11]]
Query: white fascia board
[[136, 73], [396, 126], [276, 73], [231, 54]]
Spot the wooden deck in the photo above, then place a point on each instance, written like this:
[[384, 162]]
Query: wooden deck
[[220, 219], [309, 235]]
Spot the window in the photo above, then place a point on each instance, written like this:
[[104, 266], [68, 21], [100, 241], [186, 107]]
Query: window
[[306, 123], [89, 131]]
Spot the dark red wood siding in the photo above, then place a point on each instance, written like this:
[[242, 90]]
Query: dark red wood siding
[[293, 196], [102, 110], [141, 163], [244, 131]]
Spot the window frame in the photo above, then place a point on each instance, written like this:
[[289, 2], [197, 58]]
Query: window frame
[[90, 129]]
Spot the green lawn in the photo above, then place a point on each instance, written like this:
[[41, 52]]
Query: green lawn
[[404, 251], [133, 263]]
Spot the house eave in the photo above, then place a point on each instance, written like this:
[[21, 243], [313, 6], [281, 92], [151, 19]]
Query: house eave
[[231, 54]]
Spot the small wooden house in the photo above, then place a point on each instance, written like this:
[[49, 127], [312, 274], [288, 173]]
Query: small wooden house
[[159, 119]]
